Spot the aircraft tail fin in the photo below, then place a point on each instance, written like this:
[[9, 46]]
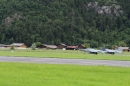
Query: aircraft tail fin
[[103, 49]]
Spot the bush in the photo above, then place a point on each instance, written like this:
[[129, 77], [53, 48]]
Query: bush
[[33, 47], [12, 47]]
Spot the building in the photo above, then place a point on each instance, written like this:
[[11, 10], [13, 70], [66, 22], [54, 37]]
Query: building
[[4, 46], [46, 46], [71, 47], [19, 45], [125, 49], [61, 46], [81, 46]]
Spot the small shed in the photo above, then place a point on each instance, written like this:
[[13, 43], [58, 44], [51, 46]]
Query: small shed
[[19, 45], [2, 46], [81, 46], [46, 46], [71, 47], [61, 46], [125, 49]]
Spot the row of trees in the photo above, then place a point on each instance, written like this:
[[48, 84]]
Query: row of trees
[[67, 21]]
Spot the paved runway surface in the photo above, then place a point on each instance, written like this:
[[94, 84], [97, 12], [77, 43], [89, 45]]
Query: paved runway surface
[[65, 61]]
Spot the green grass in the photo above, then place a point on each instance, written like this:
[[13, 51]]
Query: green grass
[[63, 54], [29, 74]]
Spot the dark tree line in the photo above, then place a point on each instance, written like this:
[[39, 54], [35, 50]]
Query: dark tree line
[[66, 21]]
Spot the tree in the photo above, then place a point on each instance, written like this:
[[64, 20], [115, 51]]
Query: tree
[[122, 44], [38, 44], [93, 44], [87, 45], [12, 47], [68, 21], [33, 47]]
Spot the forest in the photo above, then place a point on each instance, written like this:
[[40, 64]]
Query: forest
[[94, 23]]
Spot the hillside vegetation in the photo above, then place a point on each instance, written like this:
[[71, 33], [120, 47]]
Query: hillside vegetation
[[94, 22]]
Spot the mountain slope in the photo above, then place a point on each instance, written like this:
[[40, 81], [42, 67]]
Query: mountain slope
[[95, 22]]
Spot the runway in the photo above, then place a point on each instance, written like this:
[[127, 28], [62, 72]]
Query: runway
[[66, 61]]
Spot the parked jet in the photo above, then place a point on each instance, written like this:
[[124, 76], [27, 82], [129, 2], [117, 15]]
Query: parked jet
[[109, 51], [103, 51], [93, 51], [119, 51], [90, 50], [85, 50]]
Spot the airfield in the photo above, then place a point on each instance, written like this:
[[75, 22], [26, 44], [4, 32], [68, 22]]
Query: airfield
[[75, 57], [66, 54], [65, 68]]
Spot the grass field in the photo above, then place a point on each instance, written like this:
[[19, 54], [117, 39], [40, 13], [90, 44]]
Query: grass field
[[28, 74], [63, 54]]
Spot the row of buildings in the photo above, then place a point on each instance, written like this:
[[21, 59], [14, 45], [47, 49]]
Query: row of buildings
[[58, 46], [61, 46], [45, 46]]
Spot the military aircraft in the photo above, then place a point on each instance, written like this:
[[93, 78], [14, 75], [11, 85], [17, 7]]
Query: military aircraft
[[110, 51], [103, 51], [119, 51], [90, 50]]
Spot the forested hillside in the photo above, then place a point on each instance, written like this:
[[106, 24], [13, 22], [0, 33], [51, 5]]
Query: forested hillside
[[73, 22]]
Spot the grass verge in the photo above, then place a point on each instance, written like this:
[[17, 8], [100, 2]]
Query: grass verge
[[29, 74]]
